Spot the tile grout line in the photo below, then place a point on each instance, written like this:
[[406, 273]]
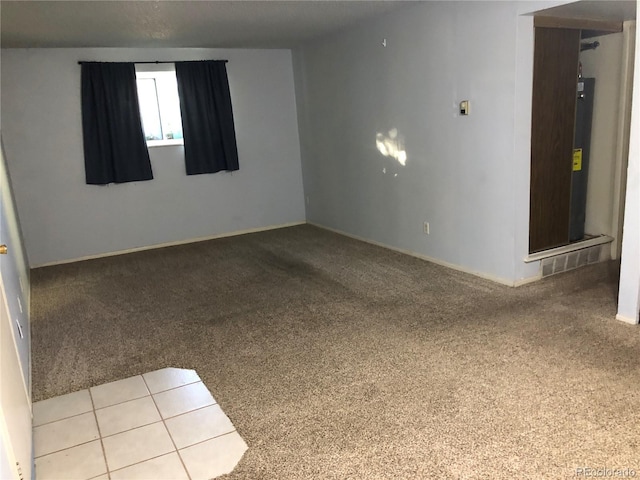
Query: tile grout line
[[191, 411], [98, 476], [120, 403], [64, 418], [67, 448], [155, 421], [212, 438], [167, 429], [162, 420], [131, 429], [165, 454], [143, 396], [215, 403], [135, 428], [169, 389], [140, 462], [95, 416], [111, 405]]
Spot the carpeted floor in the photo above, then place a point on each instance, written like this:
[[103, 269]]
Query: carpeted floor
[[338, 359]]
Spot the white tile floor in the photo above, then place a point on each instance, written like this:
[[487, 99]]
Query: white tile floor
[[163, 425]]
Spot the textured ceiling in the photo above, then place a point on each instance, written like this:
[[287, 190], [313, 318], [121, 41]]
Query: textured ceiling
[[212, 23], [618, 10], [258, 24]]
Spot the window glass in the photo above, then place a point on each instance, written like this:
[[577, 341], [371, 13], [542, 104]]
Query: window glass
[[159, 106], [167, 88], [148, 99]]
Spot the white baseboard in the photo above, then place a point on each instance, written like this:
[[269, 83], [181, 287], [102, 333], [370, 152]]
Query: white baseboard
[[169, 244], [459, 268], [526, 281], [625, 319]]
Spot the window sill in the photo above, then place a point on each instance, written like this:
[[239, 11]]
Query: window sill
[[572, 247], [164, 143]]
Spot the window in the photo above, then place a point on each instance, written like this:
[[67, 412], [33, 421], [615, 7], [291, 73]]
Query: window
[[115, 147], [159, 104]]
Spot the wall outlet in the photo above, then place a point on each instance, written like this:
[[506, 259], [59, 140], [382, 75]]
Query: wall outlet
[[307, 200], [426, 228]]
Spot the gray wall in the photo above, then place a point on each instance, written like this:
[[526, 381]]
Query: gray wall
[[63, 218], [467, 176], [605, 64]]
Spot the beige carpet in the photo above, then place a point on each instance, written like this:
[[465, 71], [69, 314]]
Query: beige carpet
[[338, 359]]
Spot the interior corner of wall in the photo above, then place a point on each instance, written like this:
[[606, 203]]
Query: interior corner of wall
[[528, 273]]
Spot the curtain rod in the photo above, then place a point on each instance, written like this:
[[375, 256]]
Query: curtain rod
[[225, 61]]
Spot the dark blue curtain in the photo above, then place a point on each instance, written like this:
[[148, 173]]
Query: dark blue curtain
[[115, 150], [207, 117]]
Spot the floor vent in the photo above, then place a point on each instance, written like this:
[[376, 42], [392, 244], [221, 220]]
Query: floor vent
[[571, 260]]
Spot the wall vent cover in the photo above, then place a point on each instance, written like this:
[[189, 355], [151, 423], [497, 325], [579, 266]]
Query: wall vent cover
[[570, 261]]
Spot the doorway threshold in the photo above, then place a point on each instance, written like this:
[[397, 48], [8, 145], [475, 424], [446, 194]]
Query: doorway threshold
[[572, 247]]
